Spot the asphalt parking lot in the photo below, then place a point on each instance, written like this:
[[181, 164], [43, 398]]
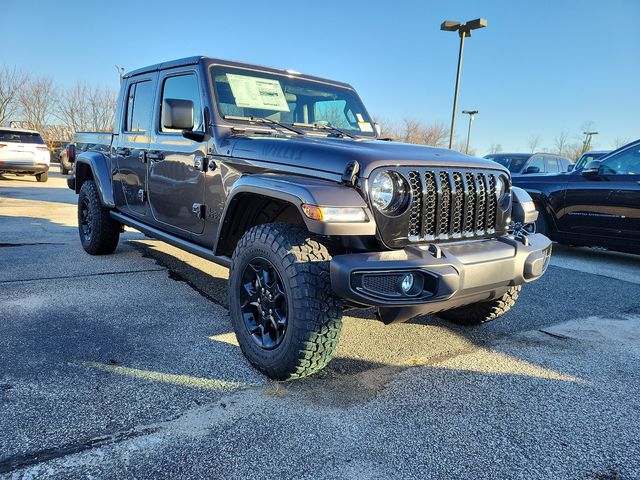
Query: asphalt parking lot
[[126, 365]]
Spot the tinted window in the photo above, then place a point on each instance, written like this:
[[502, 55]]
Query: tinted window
[[588, 157], [20, 137], [183, 87], [626, 162], [513, 162], [139, 107]]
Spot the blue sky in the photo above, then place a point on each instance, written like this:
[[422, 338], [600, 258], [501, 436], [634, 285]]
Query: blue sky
[[539, 68]]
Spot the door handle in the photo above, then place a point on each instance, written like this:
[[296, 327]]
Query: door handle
[[155, 155], [124, 151]]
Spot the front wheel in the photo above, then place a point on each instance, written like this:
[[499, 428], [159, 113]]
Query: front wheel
[[285, 316], [483, 312], [99, 233]]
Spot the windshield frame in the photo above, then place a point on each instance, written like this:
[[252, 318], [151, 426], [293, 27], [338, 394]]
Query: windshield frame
[[323, 132]]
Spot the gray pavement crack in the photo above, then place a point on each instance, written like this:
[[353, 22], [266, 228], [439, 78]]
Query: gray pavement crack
[[9, 245], [97, 274], [15, 462]]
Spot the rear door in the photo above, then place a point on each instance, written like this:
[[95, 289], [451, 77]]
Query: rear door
[[131, 145], [176, 176]]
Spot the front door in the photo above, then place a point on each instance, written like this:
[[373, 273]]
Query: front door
[[606, 204], [176, 176], [131, 144]]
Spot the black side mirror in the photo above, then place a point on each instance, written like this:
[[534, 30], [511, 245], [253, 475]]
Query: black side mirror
[[177, 114], [532, 169], [571, 167], [592, 168]]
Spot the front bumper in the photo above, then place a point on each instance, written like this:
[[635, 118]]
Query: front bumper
[[446, 276], [23, 168]]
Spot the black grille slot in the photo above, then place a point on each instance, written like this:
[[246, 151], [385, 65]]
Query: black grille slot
[[445, 204], [415, 210], [448, 204], [492, 204], [481, 203], [458, 204], [430, 195]]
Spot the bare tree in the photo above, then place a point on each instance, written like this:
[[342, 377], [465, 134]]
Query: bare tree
[[11, 80], [573, 150], [561, 141], [619, 142], [83, 107], [461, 145], [73, 107], [495, 148], [534, 143], [37, 100]]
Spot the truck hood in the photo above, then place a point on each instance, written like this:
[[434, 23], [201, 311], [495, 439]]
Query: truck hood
[[331, 155]]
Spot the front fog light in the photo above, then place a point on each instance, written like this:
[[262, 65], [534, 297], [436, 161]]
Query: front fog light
[[407, 283]]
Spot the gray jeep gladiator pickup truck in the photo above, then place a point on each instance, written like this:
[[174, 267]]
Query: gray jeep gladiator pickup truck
[[281, 178]]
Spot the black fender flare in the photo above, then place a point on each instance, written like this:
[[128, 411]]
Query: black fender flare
[[95, 166], [298, 190]]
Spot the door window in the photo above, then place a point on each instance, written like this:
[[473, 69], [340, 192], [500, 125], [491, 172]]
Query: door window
[[626, 162], [183, 87], [139, 107], [537, 162], [552, 165]]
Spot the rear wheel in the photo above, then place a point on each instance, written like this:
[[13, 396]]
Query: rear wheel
[[63, 170], [483, 312], [42, 177], [99, 233], [285, 316]]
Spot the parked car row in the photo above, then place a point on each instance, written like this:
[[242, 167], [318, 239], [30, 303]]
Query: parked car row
[[596, 204], [531, 163]]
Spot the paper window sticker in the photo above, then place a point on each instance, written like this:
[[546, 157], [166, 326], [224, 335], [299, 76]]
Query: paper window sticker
[[254, 92], [365, 127]]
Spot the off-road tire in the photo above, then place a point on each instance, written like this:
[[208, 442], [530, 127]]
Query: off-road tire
[[104, 231], [483, 312], [42, 177], [63, 170], [314, 314]]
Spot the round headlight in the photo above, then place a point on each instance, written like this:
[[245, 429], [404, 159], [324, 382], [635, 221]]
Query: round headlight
[[389, 192]]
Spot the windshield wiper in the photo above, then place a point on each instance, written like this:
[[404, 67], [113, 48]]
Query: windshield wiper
[[322, 126], [266, 121]]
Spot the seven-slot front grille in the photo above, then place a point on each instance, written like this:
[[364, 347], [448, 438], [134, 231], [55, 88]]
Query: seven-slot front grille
[[448, 204]]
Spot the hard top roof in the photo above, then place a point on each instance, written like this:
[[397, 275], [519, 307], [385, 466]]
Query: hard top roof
[[19, 130], [182, 62]]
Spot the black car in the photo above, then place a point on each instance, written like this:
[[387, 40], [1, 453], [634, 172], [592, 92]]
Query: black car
[[531, 163], [598, 205]]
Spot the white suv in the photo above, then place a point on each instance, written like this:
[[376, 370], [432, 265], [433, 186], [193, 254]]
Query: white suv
[[24, 152]]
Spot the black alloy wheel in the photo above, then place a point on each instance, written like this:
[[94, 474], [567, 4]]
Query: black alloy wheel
[[263, 303], [86, 220]]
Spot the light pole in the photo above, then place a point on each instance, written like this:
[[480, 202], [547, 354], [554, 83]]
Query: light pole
[[471, 113], [464, 30], [587, 141]]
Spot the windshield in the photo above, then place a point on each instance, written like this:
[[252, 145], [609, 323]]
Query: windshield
[[289, 100], [588, 157], [20, 137], [513, 162]]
